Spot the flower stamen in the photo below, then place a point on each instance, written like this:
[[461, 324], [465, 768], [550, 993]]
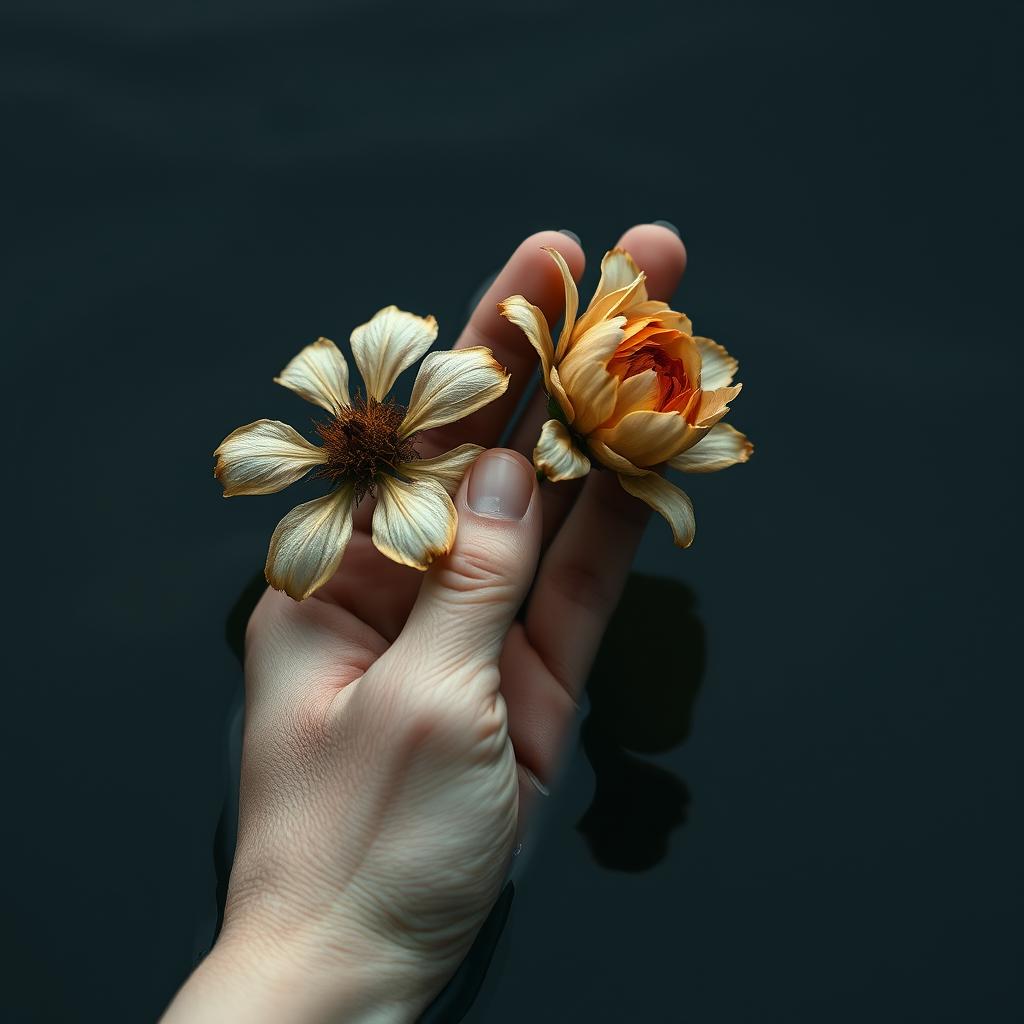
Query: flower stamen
[[363, 441]]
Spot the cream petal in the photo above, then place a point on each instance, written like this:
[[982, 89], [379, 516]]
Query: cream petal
[[264, 457], [648, 438], [572, 301], [413, 523], [713, 405], [447, 469], [556, 456], [717, 367], [584, 375], [612, 459], [721, 447], [309, 542], [532, 322], [389, 343], [319, 374], [667, 500], [450, 385]]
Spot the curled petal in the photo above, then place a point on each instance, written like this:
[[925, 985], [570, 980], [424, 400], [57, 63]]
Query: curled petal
[[641, 391], [556, 390], [667, 500], [451, 385], [584, 374], [647, 438], [392, 341], [309, 542], [713, 405], [615, 303], [673, 320], [413, 523], [618, 270], [669, 317], [572, 300], [532, 322], [319, 374], [717, 367], [447, 469], [264, 457], [721, 447], [612, 459], [556, 456]]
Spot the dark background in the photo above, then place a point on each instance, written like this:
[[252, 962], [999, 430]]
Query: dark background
[[194, 190]]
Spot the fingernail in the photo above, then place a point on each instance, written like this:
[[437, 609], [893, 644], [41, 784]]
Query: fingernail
[[500, 486], [570, 234], [668, 224]]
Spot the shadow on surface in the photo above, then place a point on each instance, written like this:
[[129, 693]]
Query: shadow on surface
[[642, 690]]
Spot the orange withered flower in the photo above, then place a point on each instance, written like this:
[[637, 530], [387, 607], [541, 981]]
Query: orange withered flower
[[631, 387]]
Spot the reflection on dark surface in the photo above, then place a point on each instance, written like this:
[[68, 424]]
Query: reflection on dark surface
[[227, 824], [642, 691], [238, 616]]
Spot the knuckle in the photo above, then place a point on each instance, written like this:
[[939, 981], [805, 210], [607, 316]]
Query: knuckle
[[472, 570], [457, 714]]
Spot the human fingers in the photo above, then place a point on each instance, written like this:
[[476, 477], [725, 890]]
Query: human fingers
[[469, 598], [529, 271], [593, 539]]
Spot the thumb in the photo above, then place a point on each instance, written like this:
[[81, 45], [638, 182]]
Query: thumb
[[470, 597]]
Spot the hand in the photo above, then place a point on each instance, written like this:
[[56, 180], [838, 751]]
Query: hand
[[398, 726]]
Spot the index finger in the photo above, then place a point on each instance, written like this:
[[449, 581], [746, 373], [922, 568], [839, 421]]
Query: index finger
[[529, 271]]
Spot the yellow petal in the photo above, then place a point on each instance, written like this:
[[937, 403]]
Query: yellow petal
[[669, 317], [641, 391], [264, 457], [667, 500], [717, 367], [721, 447], [413, 523], [319, 374], [572, 301], [309, 542], [532, 322], [648, 438], [584, 375], [392, 341], [618, 270], [713, 405], [447, 469], [556, 456], [558, 392], [612, 459], [451, 385], [614, 303]]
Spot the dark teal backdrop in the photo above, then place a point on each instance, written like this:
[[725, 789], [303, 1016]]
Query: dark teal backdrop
[[826, 823]]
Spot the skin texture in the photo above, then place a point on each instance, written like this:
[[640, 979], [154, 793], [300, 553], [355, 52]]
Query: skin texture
[[394, 719]]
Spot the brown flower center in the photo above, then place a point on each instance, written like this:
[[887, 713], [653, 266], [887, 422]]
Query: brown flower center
[[363, 442]]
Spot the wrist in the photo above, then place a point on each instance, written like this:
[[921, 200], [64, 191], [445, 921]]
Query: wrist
[[255, 982]]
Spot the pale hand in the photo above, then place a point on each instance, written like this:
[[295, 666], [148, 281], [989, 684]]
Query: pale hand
[[398, 725]]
